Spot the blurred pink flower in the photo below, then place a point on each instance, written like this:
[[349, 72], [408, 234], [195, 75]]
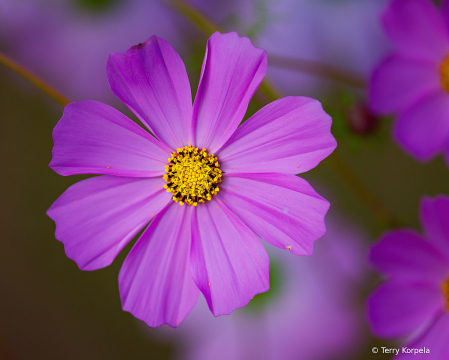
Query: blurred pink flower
[[414, 300], [314, 315], [211, 246], [413, 82], [344, 34]]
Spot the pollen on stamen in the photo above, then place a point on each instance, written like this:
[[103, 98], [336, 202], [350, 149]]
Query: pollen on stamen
[[192, 175], [444, 72]]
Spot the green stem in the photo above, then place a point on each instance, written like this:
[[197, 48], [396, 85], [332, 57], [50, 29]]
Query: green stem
[[33, 79], [383, 214], [198, 19], [269, 90], [316, 68], [335, 161]]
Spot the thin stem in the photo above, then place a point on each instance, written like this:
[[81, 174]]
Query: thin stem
[[316, 68], [335, 161], [269, 90], [41, 85], [339, 165], [197, 18]]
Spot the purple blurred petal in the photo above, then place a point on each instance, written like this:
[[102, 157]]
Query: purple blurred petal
[[405, 255], [396, 309], [232, 71], [156, 284], [94, 138], [69, 46], [423, 129], [417, 29], [434, 215], [291, 135], [229, 263], [151, 79], [445, 12], [96, 218], [283, 210], [397, 82], [435, 339], [346, 34]]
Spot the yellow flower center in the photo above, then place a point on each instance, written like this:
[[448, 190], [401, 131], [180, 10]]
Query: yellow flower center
[[192, 175], [446, 293], [444, 70]]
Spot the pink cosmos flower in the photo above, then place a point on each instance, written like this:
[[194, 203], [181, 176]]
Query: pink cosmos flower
[[414, 301], [413, 82], [237, 183]]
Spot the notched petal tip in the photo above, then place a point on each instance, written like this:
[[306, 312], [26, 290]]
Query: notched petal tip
[[151, 323], [242, 269], [236, 36], [291, 135], [154, 282], [94, 138], [241, 306], [97, 217], [232, 70], [151, 79]]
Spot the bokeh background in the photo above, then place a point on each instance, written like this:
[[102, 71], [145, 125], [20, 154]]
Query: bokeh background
[[325, 49]]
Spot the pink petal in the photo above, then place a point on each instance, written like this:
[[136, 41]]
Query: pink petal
[[232, 71], [434, 215], [151, 79], [155, 281], [423, 129], [283, 210], [94, 138], [229, 263], [405, 255], [396, 309], [397, 82], [96, 218], [417, 29], [291, 135], [435, 339]]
